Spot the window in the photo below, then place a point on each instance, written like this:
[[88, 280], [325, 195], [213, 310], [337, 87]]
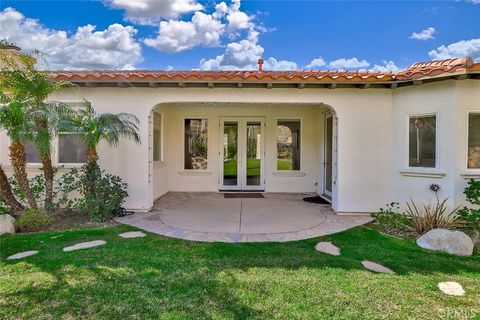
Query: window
[[31, 153], [71, 149], [196, 144], [288, 145], [422, 141], [157, 137], [473, 161]]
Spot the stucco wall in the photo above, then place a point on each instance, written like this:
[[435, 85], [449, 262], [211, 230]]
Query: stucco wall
[[371, 138]]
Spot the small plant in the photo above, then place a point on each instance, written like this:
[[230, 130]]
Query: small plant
[[392, 221], [428, 216], [470, 217], [33, 220]]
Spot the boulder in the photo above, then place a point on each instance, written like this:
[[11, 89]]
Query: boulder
[[453, 242], [6, 224]]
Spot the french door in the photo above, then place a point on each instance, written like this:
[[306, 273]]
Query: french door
[[242, 153], [328, 155]]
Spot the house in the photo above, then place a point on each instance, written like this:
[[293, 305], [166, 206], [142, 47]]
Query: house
[[360, 139]]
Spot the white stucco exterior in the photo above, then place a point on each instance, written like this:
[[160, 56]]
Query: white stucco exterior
[[370, 162]]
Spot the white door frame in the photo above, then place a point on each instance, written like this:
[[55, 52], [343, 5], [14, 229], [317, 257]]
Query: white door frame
[[327, 116], [242, 153]]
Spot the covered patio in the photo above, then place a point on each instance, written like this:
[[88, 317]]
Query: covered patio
[[210, 217]]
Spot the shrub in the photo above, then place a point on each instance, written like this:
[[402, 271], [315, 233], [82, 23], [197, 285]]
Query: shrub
[[470, 217], [33, 220], [101, 194], [392, 221], [430, 216]]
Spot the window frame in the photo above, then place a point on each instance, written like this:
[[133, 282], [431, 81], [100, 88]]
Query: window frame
[[300, 119], [162, 159], [437, 140], [467, 134], [208, 143], [74, 105]]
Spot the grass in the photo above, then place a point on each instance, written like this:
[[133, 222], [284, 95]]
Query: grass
[[162, 278], [253, 167]]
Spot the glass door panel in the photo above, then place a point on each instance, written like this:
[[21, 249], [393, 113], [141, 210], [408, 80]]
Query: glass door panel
[[328, 154], [253, 153], [241, 151], [230, 153]]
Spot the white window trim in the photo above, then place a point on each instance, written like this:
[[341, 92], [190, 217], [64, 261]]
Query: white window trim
[[299, 171], [422, 170], [469, 171], [162, 140], [192, 171]]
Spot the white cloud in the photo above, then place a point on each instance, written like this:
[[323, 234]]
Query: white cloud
[[244, 55], [112, 48], [238, 20], [352, 63], [316, 63], [150, 12], [464, 48], [203, 29], [474, 1], [387, 66], [423, 35], [279, 65], [175, 36]]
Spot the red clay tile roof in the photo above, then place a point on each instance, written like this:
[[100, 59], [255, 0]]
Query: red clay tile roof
[[419, 70]]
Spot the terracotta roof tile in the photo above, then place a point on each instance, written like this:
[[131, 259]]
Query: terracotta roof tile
[[417, 71]]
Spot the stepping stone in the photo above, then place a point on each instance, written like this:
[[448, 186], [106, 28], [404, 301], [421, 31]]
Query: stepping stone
[[328, 248], [451, 288], [55, 237], [375, 267], [22, 255], [85, 245], [132, 234]]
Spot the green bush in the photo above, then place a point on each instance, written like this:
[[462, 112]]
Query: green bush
[[470, 217], [392, 221], [101, 195], [33, 220]]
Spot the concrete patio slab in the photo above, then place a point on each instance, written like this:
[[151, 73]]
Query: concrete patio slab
[[209, 217]]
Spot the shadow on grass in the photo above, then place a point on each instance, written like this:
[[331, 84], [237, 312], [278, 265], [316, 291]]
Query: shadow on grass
[[155, 277]]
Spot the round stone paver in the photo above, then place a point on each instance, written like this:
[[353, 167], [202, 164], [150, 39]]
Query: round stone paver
[[375, 267], [132, 234], [22, 255], [85, 245], [451, 288], [328, 248]]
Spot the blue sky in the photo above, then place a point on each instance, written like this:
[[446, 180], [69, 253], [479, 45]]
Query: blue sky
[[190, 34]]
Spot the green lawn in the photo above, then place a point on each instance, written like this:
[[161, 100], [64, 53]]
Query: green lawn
[[253, 167], [161, 278]]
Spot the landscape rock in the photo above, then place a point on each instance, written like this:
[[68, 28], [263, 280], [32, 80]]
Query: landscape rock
[[451, 288], [22, 255], [328, 248], [7, 224], [373, 266], [85, 245], [453, 242]]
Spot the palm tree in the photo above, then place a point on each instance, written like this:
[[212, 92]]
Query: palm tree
[[13, 120], [92, 128], [23, 81]]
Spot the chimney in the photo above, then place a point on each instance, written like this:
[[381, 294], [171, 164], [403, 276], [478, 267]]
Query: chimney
[[260, 64]]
